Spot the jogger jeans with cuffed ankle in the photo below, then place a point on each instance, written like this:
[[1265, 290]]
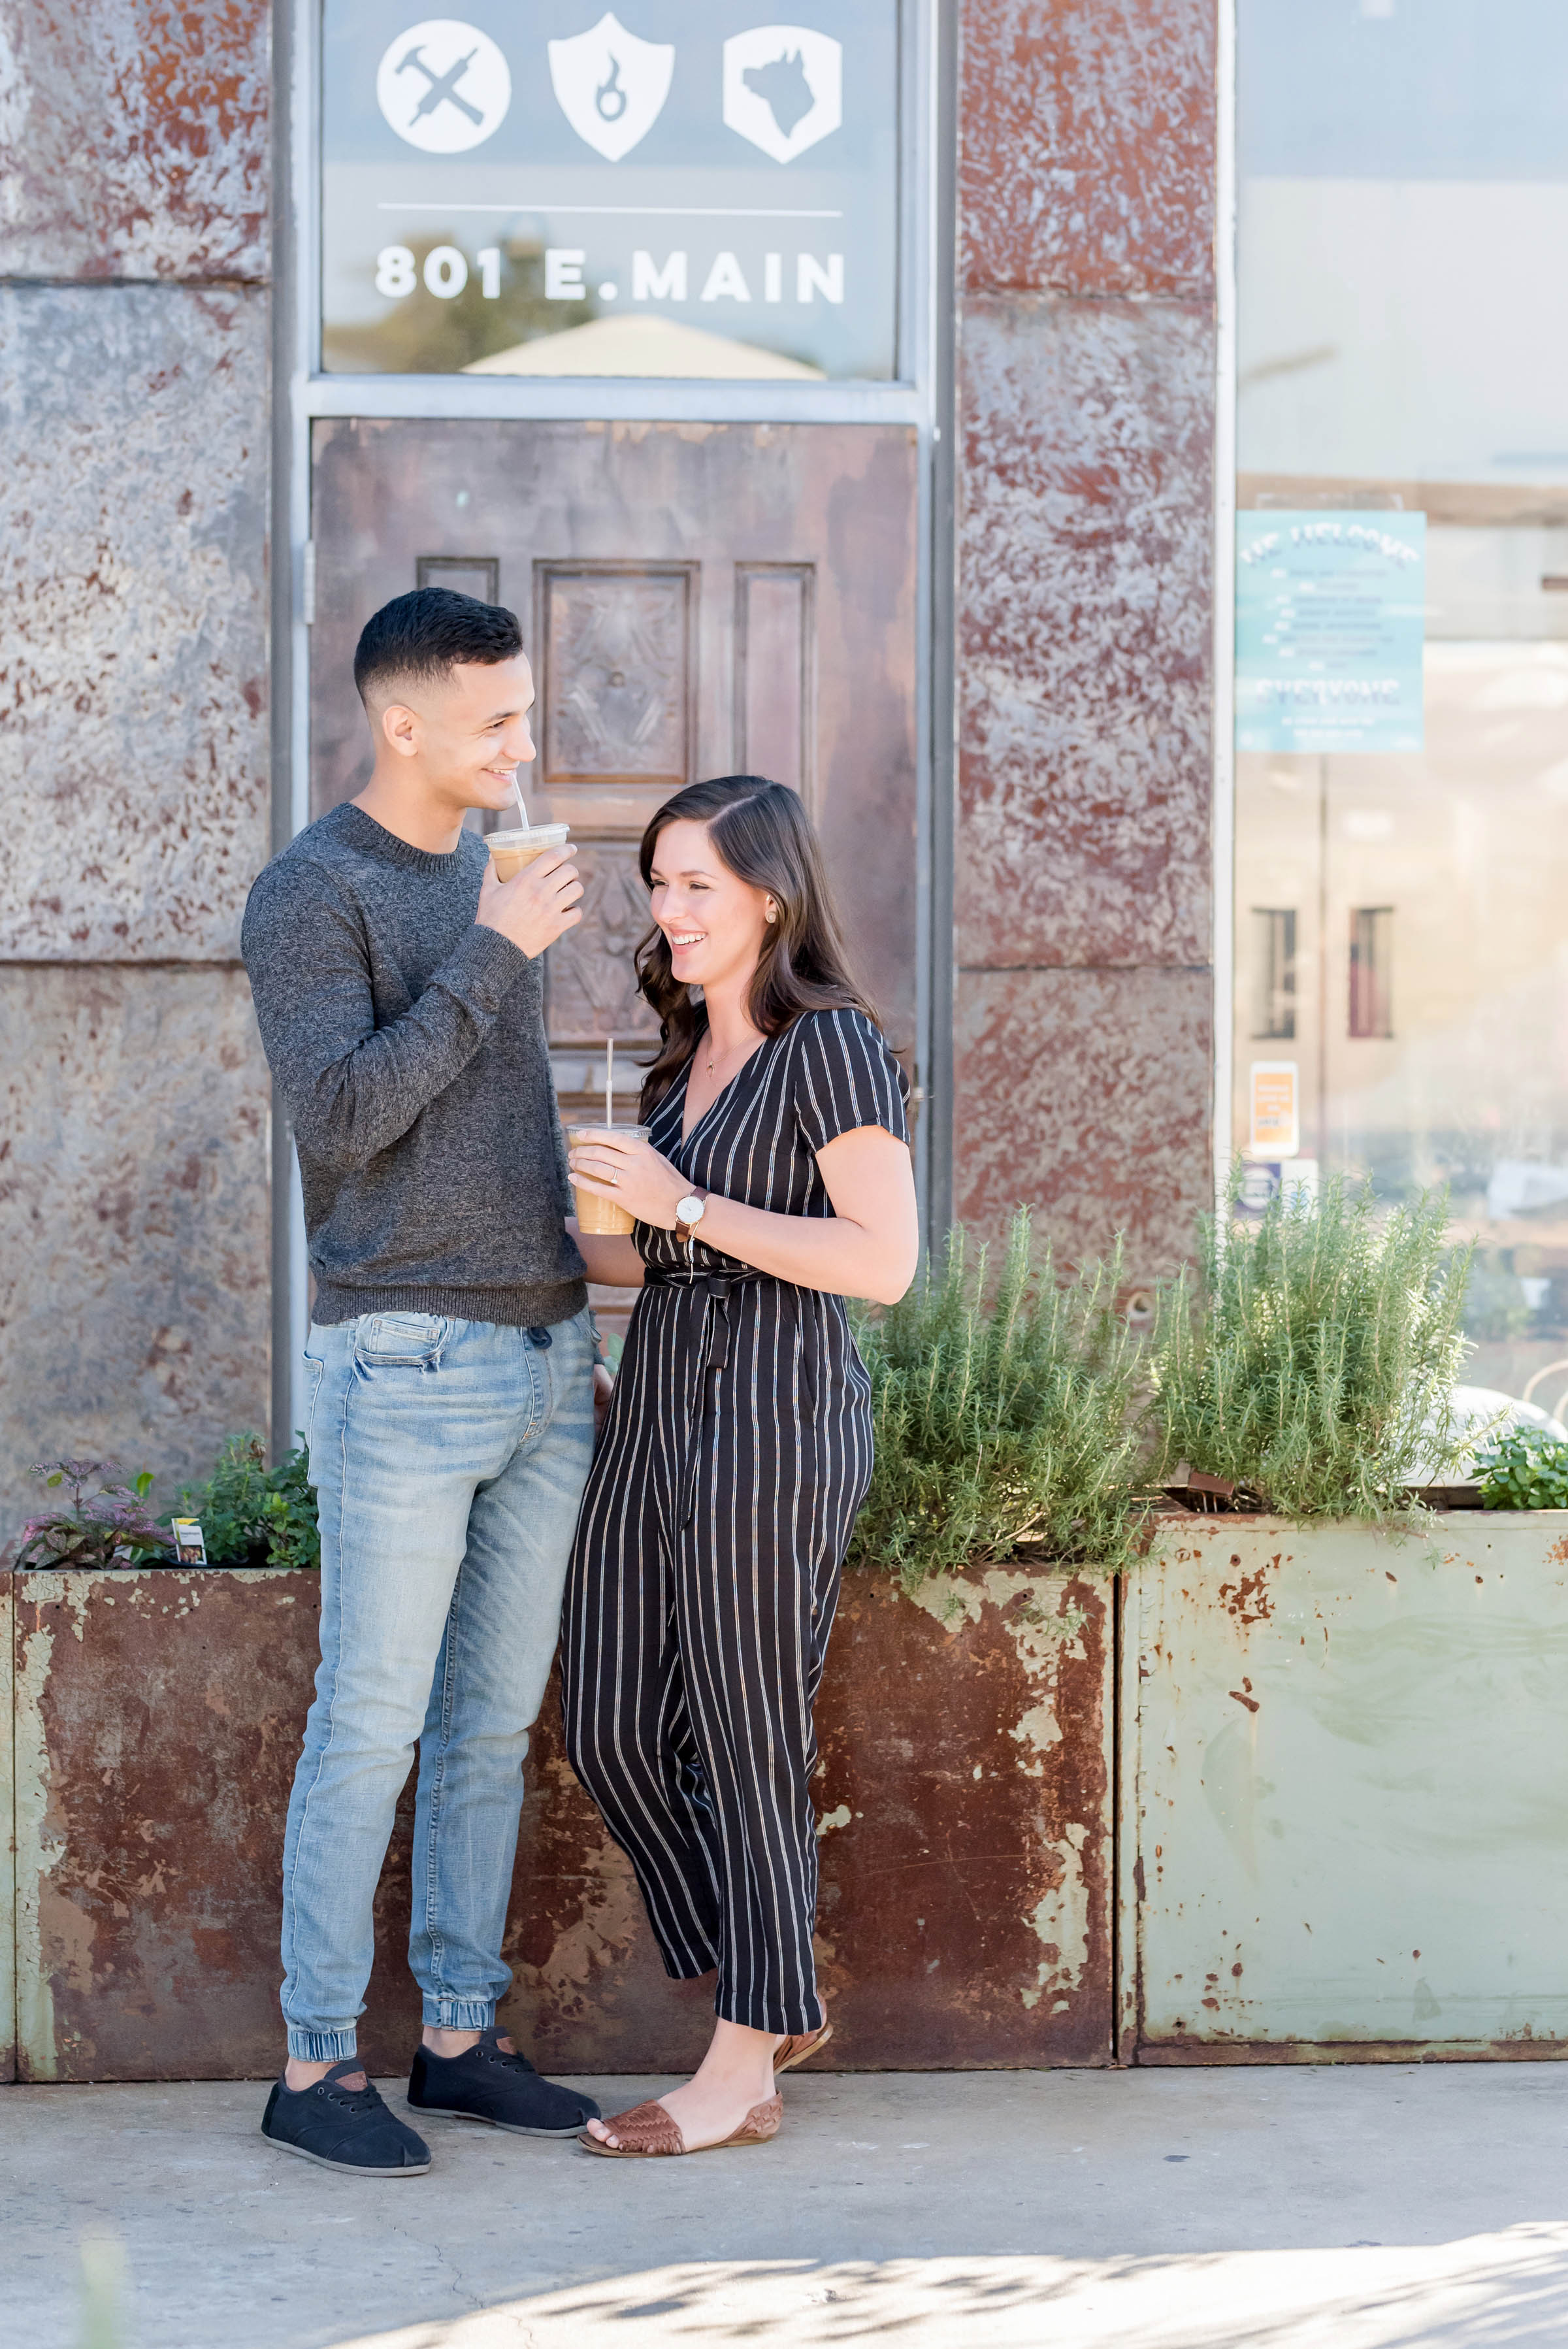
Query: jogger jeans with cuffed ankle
[[448, 1459]]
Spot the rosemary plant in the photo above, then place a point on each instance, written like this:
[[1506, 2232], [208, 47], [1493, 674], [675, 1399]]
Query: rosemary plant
[[1315, 1362], [1002, 1422]]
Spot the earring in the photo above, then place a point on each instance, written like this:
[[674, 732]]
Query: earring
[[771, 911]]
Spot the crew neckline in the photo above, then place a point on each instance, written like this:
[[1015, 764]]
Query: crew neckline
[[364, 831]]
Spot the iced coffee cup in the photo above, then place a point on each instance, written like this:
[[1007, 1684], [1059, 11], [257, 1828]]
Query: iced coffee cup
[[511, 850], [601, 1217]]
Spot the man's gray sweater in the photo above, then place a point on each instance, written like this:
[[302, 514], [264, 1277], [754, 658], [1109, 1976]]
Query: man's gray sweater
[[407, 1045]]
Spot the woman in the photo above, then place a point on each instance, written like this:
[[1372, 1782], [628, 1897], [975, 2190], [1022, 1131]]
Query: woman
[[776, 1181]]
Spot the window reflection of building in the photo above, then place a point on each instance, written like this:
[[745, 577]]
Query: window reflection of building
[[1404, 188], [1371, 970], [1273, 946]]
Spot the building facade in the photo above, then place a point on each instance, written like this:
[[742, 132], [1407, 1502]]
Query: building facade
[[845, 403]]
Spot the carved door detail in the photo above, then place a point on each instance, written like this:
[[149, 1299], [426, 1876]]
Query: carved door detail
[[696, 599]]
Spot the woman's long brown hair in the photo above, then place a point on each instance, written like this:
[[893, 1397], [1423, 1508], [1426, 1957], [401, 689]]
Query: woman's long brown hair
[[763, 837]]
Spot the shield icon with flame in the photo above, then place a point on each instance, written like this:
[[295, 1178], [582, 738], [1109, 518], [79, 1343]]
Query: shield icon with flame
[[612, 85]]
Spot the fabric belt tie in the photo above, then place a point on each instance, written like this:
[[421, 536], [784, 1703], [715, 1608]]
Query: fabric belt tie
[[713, 1352]]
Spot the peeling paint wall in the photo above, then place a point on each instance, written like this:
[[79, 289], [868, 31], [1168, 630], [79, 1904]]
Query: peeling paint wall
[[1082, 1017], [134, 1222], [1345, 1781]]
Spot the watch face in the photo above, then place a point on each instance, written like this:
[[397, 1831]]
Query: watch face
[[689, 1211]]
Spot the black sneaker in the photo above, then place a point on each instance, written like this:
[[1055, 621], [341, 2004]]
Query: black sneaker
[[486, 2084], [344, 2127]]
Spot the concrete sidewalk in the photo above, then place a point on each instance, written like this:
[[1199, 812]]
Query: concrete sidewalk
[[1343, 2208]]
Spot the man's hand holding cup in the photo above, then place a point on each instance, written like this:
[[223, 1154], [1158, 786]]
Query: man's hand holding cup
[[538, 905]]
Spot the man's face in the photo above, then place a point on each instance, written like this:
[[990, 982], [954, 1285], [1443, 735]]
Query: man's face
[[468, 732]]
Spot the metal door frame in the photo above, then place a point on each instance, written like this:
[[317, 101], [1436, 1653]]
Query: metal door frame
[[922, 397]]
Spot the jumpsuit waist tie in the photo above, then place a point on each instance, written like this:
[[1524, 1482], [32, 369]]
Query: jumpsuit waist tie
[[713, 1351]]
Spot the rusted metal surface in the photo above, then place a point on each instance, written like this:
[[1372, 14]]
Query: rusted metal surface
[[133, 621], [134, 1295], [964, 1800], [1084, 520], [1087, 145], [136, 140], [1080, 1090], [157, 1725], [1082, 1015], [965, 1913], [1085, 531], [7, 1846], [1344, 1788]]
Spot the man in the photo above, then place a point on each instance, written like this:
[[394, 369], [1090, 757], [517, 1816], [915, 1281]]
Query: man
[[449, 1373]]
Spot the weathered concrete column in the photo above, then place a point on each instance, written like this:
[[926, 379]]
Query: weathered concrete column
[[134, 1308], [1085, 372]]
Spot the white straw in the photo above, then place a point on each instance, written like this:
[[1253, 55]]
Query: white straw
[[522, 804], [610, 1083]]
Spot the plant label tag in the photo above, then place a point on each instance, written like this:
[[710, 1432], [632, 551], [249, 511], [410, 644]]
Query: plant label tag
[[190, 1542]]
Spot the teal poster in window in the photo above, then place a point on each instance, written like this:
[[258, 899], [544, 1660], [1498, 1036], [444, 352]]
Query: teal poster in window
[[1330, 620]]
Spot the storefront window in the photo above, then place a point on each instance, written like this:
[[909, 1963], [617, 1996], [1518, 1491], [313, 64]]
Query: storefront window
[[536, 189], [1402, 629]]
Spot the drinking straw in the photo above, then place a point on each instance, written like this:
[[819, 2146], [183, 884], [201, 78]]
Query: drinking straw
[[610, 1081], [522, 815]]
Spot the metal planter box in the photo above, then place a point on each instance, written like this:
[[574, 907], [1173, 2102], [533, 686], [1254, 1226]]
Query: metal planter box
[[1344, 1792], [965, 1796]]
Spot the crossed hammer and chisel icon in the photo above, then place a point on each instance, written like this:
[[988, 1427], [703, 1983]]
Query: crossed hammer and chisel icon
[[441, 86]]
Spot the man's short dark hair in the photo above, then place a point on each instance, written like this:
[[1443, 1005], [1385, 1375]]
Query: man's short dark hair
[[419, 638]]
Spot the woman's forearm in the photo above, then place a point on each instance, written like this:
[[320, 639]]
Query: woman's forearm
[[612, 1262], [828, 1252]]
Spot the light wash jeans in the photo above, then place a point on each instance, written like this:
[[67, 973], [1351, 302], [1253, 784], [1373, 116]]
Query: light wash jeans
[[448, 1459]]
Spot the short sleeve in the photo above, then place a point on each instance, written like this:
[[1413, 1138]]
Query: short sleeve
[[846, 1077]]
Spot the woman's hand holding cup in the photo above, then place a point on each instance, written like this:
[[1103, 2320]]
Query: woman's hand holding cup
[[624, 1169]]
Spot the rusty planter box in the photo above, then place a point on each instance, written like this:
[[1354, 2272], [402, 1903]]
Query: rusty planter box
[[1344, 1792], [964, 1799]]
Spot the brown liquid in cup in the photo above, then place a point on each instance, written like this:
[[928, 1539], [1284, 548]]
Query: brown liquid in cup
[[601, 1217], [510, 856]]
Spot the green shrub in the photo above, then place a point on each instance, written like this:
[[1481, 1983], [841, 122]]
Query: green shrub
[[1001, 1425], [1525, 1469], [251, 1515], [1313, 1362]]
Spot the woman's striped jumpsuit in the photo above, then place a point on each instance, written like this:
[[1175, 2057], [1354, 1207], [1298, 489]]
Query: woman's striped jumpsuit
[[705, 1568]]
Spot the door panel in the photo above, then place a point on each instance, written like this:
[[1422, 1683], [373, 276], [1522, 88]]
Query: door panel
[[697, 599]]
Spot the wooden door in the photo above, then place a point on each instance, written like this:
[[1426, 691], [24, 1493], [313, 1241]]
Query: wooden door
[[697, 599]]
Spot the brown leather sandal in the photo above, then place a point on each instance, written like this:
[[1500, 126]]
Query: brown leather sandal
[[795, 2050], [647, 2130]]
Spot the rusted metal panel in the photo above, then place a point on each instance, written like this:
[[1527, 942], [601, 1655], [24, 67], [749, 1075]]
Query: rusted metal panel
[[7, 1846], [158, 1716], [964, 1797], [1347, 1782], [133, 620], [134, 1290], [137, 138], [1082, 859], [965, 1914], [1087, 145], [963, 1800]]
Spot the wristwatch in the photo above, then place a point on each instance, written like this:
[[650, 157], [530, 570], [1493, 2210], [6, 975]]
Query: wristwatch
[[689, 1213]]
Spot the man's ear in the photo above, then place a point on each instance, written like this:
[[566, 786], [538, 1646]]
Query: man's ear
[[400, 729]]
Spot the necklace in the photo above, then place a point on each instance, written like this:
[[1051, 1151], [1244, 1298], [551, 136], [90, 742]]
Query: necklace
[[713, 1056]]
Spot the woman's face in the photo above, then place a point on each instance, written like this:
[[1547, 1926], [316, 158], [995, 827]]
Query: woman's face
[[715, 921]]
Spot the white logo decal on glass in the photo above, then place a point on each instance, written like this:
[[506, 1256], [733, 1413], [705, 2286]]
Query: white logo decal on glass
[[783, 88], [612, 86], [443, 86]]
